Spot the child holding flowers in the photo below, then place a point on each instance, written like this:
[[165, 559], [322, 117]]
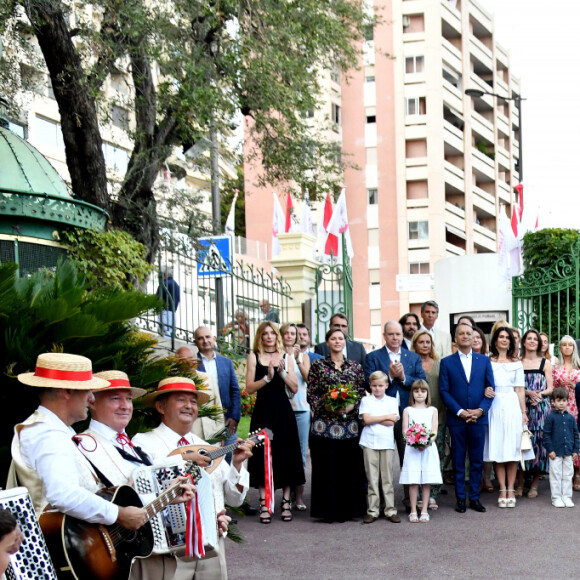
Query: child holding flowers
[[379, 413], [421, 463]]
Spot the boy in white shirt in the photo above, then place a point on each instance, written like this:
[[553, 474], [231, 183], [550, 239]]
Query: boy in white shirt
[[379, 413]]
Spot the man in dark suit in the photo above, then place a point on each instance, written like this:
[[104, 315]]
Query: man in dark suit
[[463, 379], [304, 342], [354, 350], [410, 323], [403, 367], [223, 372]]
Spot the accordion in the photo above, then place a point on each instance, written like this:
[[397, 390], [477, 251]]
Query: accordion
[[32, 561], [169, 525]]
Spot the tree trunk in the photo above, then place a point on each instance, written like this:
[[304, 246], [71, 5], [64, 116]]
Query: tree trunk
[[78, 112]]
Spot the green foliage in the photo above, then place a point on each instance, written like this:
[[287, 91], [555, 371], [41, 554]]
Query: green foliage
[[108, 259], [544, 247], [57, 312]]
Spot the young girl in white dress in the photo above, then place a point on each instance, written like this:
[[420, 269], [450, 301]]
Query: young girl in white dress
[[420, 466]]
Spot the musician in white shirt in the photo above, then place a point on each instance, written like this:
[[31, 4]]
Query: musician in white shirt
[[176, 400], [46, 459]]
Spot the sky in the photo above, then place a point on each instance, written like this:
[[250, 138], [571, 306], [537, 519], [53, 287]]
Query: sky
[[543, 41]]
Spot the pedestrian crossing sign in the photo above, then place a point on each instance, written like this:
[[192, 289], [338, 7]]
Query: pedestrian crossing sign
[[214, 256]]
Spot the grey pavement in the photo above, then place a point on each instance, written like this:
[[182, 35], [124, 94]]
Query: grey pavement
[[534, 540]]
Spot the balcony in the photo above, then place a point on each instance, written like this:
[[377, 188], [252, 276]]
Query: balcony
[[453, 250], [452, 96], [484, 237], [504, 192], [480, 19], [455, 217], [483, 165], [503, 125], [482, 127], [502, 157], [451, 20], [483, 200], [453, 136], [481, 55], [451, 55], [416, 131], [502, 56], [454, 176], [476, 82], [416, 171], [501, 87]]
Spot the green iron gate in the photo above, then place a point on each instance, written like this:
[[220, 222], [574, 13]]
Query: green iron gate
[[333, 293], [547, 299]]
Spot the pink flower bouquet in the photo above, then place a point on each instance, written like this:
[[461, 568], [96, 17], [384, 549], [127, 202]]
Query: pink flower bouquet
[[418, 436]]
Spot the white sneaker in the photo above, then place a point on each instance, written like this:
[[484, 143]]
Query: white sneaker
[[558, 503], [568, 502]]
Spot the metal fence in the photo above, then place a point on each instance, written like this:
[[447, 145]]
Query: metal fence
[[231, 301], [548, 299]]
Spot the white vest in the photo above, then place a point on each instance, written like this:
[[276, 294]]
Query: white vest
[[21, 474]]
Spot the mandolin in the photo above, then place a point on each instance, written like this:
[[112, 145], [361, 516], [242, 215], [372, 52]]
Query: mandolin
[[216, 454]]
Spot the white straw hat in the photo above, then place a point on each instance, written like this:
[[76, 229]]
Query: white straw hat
[[58, 370], [118, 380], [176, 385]]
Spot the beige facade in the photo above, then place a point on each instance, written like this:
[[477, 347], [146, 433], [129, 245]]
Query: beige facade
[[436, 165]]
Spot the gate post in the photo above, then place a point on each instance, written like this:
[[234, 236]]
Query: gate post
[[298, 267]]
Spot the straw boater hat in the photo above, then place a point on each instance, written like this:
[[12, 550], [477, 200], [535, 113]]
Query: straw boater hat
[[57, 370], [176, 385], [119, 380]]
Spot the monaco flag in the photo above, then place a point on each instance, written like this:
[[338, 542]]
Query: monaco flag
[[339, 223], [278, 225], [331, 244], [289, 221]]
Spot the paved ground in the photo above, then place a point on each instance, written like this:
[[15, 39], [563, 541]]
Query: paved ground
[[534, 540]]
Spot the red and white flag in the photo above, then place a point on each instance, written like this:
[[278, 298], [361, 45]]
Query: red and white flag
[[278, 225], [289, 221], [509, 246], [520, 189], [339, 224], [331, 243]]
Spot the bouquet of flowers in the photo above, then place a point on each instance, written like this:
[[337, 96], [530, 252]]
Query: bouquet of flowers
[[418, 436], [340, 396]]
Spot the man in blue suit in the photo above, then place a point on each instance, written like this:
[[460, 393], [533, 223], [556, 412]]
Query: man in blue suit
[[403, 367], [222, 370], [463, 378]]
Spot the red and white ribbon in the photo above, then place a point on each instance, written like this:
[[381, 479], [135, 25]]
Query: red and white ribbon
[[193, 531], [268, 473]]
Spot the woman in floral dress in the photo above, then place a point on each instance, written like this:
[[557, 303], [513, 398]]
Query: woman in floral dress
[[338, 473], [567, 374], [538, 388]]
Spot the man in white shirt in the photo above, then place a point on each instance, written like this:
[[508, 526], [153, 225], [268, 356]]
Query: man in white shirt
[[441, 339], [45, 458], [176, 400]]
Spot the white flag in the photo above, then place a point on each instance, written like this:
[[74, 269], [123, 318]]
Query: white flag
[[339, 224], [231, 221], [278, 225], [508, 250], [306, 219]]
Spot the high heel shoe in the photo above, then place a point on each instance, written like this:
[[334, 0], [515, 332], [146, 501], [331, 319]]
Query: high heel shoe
[[511, 501], [502, 501], [286, 506], [264, 515]]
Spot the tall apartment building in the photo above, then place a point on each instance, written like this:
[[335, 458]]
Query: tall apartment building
[[436, 166]]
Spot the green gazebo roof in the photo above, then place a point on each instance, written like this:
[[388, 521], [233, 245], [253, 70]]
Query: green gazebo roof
[[31, 189]]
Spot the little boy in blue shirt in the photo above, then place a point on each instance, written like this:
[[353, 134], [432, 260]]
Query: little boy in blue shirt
[[562, 444]]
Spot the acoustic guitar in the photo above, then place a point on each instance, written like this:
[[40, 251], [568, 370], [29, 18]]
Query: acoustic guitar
[[216, 454], [84, 551]]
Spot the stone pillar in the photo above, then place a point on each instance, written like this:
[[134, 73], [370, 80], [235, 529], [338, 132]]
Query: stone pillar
[[296, 264]]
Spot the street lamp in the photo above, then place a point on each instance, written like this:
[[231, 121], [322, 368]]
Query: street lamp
[[518, 102]]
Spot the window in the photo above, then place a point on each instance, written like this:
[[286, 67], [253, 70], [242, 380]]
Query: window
[[371, 118], [48, 132], [415, 106], [370, 79], [419, 268], [372, 196], [335, 74], [335, 114], [418, 230], [368, 32], [17, 129], [116, 158], [414, 64], [119, 117]]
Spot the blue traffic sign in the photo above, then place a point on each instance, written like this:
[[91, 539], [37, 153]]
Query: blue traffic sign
[[214, 258]]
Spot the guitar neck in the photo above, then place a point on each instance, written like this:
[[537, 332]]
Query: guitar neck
[[163, 500]]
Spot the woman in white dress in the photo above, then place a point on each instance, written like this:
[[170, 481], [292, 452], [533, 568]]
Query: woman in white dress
[[507, 415]]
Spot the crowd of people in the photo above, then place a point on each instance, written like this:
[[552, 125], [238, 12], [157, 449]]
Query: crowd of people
[[494, 406], [507, 407]]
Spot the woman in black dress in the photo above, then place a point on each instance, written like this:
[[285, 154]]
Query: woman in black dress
[[338, 472], [268, 376]]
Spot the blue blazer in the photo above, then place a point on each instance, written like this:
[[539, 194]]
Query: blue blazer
[[379, 360], [228, 384], [459, 393], [314, 356]]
